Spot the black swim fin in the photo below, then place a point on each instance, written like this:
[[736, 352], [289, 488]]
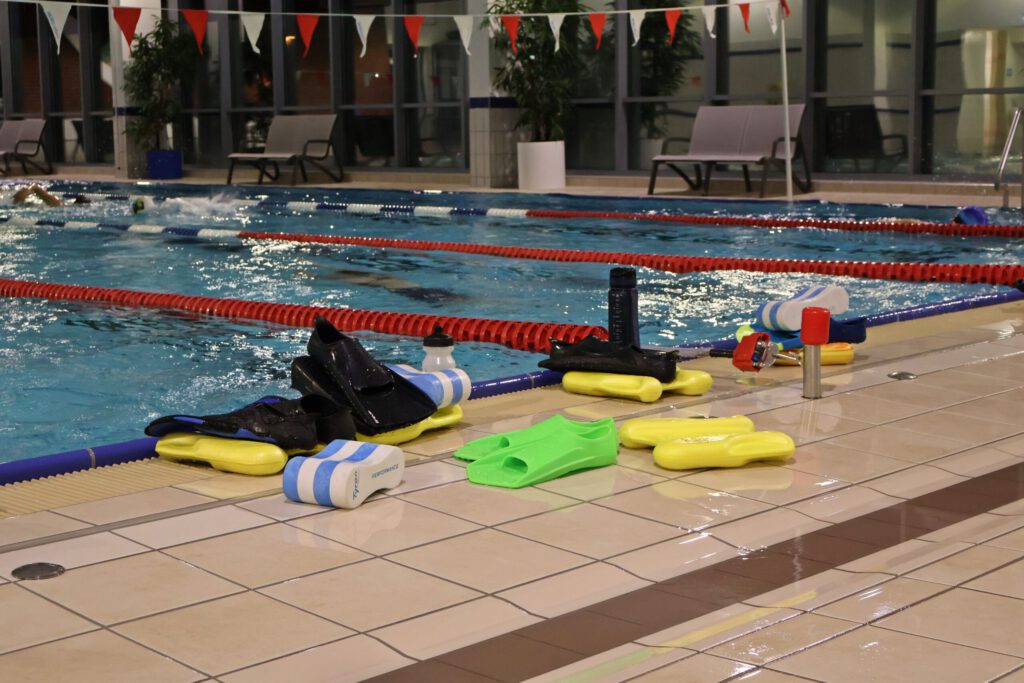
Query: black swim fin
[[339, 368], [598, 355]]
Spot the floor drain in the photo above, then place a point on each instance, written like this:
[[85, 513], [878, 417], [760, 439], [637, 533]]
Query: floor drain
[[37, 570], [901, 374]]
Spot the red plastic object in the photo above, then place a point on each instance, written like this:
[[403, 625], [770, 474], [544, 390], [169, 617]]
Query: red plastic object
[[814, 326], [744, 357]]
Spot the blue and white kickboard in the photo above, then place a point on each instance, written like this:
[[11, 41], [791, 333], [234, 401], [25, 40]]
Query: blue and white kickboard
[[445, 387], [343, 474], [788, 315]]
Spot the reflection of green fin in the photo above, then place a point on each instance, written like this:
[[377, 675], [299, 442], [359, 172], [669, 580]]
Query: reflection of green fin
[[732, 451], [445, 417], [559, 452], [643, 432], [488, 445], [227, 455]]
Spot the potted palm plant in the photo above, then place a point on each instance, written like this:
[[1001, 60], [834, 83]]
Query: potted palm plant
[[541, 81], [161, 60]]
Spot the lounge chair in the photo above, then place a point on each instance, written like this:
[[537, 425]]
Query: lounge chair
[[295, 140], [854, 133], [22, 141], [742, 135]]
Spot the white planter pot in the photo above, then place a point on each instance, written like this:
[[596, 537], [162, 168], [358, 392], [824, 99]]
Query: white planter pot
[[645, 149], [541, 165]]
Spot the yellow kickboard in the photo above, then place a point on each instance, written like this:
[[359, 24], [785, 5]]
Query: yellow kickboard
[[446, 417], [731, 451], [226, 455], [635, 387], [838, 353], [645, 432]]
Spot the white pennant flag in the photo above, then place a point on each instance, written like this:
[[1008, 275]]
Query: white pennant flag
[[773, 17], [363, 22], [709, 19], [465, 24], [495, 23], [555, 20], [57, 14], [636, 17], [252, 24]]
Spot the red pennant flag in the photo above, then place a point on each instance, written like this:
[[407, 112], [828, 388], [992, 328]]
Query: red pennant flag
[[307, 24], [127, 18], [197, 18], [672, 18], [745, 11], [412, 27], [597, 20], [785, 6], [511, 22]]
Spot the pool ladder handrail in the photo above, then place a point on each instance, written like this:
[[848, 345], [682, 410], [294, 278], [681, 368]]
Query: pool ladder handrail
[[1014, 125]]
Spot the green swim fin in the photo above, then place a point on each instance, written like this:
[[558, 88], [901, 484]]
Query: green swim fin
[[558, 453], [488, 445]]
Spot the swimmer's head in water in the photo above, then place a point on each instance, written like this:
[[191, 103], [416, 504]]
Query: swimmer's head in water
[[138, 205]]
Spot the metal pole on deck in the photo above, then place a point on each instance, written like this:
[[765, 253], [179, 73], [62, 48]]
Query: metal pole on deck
[[785, 105]]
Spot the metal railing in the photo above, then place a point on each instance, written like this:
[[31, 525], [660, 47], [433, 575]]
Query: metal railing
[[1014, 125]]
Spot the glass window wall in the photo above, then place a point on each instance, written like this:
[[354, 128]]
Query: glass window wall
[[755, 65]]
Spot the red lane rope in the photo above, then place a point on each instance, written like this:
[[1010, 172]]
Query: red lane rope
[[524, 336], [968, 273], [881, 225]]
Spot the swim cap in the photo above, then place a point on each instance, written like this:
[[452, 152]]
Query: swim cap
[[138, 205], [973, 215]]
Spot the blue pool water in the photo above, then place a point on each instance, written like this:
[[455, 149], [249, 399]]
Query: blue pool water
[[84, 375]]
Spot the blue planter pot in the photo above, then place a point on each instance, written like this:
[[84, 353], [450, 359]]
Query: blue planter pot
[[163, 165]]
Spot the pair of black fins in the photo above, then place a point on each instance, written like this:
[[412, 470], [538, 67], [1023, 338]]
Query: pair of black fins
[[618, 358], [339, 368]]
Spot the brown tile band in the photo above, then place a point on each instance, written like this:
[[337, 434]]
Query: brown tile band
[[569, 638]]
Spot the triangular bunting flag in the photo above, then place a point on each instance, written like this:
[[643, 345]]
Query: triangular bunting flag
[[252, 23], [672, 18], [495, 23], [465, 24], [636, 18], [773, 17], [597, 20], [709, 19], [57, 14], [785, 6], [511, 22], [412, 27], [555, 22], [307, 24], [127, 18], [197, 19], [363, 22], [745, 13]]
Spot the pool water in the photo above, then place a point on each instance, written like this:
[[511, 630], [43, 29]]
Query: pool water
[[87, 375]]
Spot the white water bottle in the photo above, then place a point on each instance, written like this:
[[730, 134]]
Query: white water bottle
[[437, 347]]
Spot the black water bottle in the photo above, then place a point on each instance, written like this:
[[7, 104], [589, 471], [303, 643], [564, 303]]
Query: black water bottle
[[623, 319]]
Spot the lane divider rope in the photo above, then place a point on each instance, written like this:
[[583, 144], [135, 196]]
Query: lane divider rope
[[515, 334]]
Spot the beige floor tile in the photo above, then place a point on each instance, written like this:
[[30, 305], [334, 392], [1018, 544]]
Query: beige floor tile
[[672, 558], [813, 592], [96, 656], [75, 552], [966, 565], [572, 590], [782, 639], [232, 633], [276, 506], [1006, 581], [591, 530], [880, 656], [1015, 677], [759, 401], [27, 619], [1015, 508], [488, 505], [132, 587], [600, 482], [699, 667], [826, 459], [686, 506], [1003, 368], [510, 406], [621, 663], [385, 526], [374, 593], [229, 485], [995, 408], [946, 424], [805, 425], [489, 560], [976, 462], [455, 627], [873, 409], [428, 474], [265, 555], [133, 505], [1014, 540], [1014, 445], [966, 382], [769, 676], [902, 444], [843, 504], [643, 461], [193, 526], [718, 627], [965, 617], [766, 528], [345, 661], [439, 441], [904, 557], [881, 600], [914, 481], [765, 482], [35, 525], [983, 528]]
